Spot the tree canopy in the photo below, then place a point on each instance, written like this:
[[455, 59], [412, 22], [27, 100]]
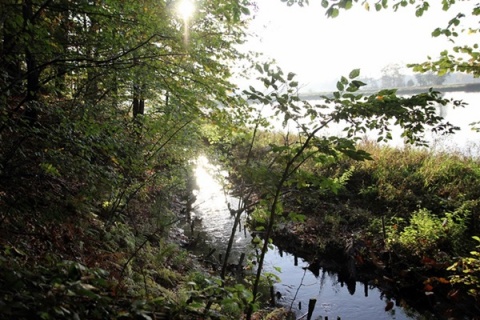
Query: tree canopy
[[72, 73]]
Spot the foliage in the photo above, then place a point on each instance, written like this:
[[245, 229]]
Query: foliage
[[395, 185], [359, 113], [466, 271], [102, 107], [208, 293], [66, 117], [408, 178], [66, 289], [103, 104], [426, 233]]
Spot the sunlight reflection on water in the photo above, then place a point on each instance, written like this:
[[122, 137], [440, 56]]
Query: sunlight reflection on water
[[211, 206]]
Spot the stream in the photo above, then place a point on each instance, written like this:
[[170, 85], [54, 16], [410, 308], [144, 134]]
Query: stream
[[335, 299]]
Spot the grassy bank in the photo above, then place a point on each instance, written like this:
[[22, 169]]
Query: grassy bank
[[406, 214]]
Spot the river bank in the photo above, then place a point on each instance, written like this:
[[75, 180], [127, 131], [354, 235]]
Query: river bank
[[398, 222], [419, 285]]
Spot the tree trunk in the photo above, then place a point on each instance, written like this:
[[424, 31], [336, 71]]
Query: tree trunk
[[33, 73], [138, 101], [10, 56]]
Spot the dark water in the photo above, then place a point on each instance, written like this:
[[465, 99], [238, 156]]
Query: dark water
[[334, 298], [297, 284]]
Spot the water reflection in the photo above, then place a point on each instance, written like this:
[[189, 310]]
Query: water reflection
[[211, 198], [300, 282], [336, 297]]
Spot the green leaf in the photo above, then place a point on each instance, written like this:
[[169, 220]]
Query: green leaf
[[340, 86], [358, 83], [455, 21], [266, 66], [354, 73], [358, 155], [334, 12], [351, 88], [290, 76], [245, 10]]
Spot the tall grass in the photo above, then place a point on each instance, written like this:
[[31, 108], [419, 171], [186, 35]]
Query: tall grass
[[399, 183]]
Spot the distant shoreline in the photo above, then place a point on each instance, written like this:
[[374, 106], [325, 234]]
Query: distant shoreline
[[463, 87]]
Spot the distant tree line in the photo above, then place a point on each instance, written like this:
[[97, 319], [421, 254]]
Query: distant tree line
[[392, 76]]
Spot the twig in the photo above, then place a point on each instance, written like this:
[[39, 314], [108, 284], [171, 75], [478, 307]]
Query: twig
[[298, 289]]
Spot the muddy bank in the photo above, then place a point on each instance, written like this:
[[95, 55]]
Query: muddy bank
[[421, 284]]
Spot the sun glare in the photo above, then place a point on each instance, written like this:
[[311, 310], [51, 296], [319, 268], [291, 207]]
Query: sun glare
[[186, 9]]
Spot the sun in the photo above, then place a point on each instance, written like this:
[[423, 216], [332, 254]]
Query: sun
[[186, 9]]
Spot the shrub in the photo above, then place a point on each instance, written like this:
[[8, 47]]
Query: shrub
[[427, 232], [467, 271], [423, 233]]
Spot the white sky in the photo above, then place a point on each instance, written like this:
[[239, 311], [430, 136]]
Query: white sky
[[320, 49]]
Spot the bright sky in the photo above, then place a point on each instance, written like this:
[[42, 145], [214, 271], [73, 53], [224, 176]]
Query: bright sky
[[320, 49]]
